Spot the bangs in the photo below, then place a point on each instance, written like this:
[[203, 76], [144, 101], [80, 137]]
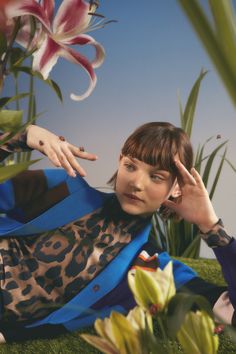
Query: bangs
[[158, 151]]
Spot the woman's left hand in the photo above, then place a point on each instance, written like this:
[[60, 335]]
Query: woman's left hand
[[195, 205]]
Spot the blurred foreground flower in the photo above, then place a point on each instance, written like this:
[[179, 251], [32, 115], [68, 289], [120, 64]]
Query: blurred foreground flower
[[55, 36], [196, 334], [152, 290], [120, 334]]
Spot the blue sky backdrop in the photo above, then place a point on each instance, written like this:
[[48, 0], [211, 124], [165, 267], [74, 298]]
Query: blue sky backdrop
[[151, 54]]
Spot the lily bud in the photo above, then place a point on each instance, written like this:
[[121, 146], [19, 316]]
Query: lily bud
[[152, 290], [196, 335]]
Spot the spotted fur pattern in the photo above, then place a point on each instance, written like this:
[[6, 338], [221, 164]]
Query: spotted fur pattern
[[41, 273]]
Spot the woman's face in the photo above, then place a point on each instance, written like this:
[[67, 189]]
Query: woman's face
[[142, 188]]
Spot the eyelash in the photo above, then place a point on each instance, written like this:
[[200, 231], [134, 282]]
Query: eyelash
[[129, 166], [157, 178]]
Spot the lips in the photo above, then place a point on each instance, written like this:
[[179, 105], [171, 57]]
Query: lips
[[133, 197]]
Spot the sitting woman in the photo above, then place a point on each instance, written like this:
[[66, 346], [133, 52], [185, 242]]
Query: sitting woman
[[66, 247]]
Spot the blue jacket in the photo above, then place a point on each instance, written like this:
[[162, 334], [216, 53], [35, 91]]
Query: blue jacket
[[77, 312]]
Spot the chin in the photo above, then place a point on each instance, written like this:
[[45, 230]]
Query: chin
[[129, 209]]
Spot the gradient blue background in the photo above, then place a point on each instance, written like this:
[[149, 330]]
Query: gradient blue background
[[151, 54]]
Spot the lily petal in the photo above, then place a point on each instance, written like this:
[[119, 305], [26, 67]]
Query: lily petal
[[46, 57], [48, 6], [86, 39], [80, 59], [27, 7], [71, 15]]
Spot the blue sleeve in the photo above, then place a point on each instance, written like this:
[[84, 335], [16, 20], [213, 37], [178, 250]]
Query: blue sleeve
[[7, 199], [28, 186], [182, 272]]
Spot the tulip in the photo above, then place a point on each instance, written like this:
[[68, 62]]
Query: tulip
[[57, 34], [196, 335], [120, 334], [152, 290]]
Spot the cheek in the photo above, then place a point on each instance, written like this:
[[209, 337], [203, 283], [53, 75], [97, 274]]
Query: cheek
[[160, 193], [119, 180]]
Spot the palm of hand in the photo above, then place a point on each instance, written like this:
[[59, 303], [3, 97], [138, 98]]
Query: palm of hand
[[195, 205]]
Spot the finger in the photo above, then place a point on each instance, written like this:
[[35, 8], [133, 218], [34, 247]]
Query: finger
[[65, 164], [82, 154], [197, 177], [52, 156], [186, 177], [73, 162]]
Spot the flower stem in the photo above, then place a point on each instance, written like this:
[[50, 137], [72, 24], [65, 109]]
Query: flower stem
[[164, 334]]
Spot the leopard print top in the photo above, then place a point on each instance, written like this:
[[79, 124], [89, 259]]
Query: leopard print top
[[40, 273]]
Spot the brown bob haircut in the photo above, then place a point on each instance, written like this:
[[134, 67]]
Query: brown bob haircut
[[157, 144]]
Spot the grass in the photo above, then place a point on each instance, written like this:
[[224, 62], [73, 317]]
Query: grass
[[72, 343]]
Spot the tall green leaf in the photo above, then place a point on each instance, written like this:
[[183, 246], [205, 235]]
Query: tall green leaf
[[217, 176], [3, 43], [215, 37], [188, 115], [209, 163], [54, 86], [6, 100]]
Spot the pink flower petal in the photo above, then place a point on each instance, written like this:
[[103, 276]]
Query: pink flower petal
[[84, 39], [46, 57], [72, 15], [48, 6], [77, 58], [27, 7]]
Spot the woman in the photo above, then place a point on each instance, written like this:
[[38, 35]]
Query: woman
[[66, 247]]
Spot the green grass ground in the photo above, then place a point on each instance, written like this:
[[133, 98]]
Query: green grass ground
[[72, 343]]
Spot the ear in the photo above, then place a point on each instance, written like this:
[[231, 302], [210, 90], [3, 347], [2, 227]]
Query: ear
[[120, 158], [176, 191]]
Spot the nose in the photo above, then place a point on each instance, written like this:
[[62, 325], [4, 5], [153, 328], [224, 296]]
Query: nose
[[137, 181]]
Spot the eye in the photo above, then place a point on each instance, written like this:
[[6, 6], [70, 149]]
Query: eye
[[157, 178], [129, 167]]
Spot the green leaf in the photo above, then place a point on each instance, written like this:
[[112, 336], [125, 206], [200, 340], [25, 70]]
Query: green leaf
[[19, 129], [51, 83], [3, 43], [6, 100], [199, 158], [7, 172], [209, 163], [181, 113], [178, 307], [217, 176], [10, 120], [16, 54], [230, 164], [188, 115], [214, 46], [224, 20], [192, 251]]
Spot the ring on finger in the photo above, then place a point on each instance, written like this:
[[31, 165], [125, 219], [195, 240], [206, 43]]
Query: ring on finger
[[62, 138], [81, 148]]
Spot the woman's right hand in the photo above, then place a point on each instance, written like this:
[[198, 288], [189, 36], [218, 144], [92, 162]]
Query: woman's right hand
[[57, 149]]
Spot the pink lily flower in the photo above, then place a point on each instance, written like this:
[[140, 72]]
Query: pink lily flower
[[57, 34]]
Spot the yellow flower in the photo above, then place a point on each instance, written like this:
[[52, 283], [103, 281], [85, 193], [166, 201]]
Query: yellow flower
[[120, 334], [196, 335], [152, 290]]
